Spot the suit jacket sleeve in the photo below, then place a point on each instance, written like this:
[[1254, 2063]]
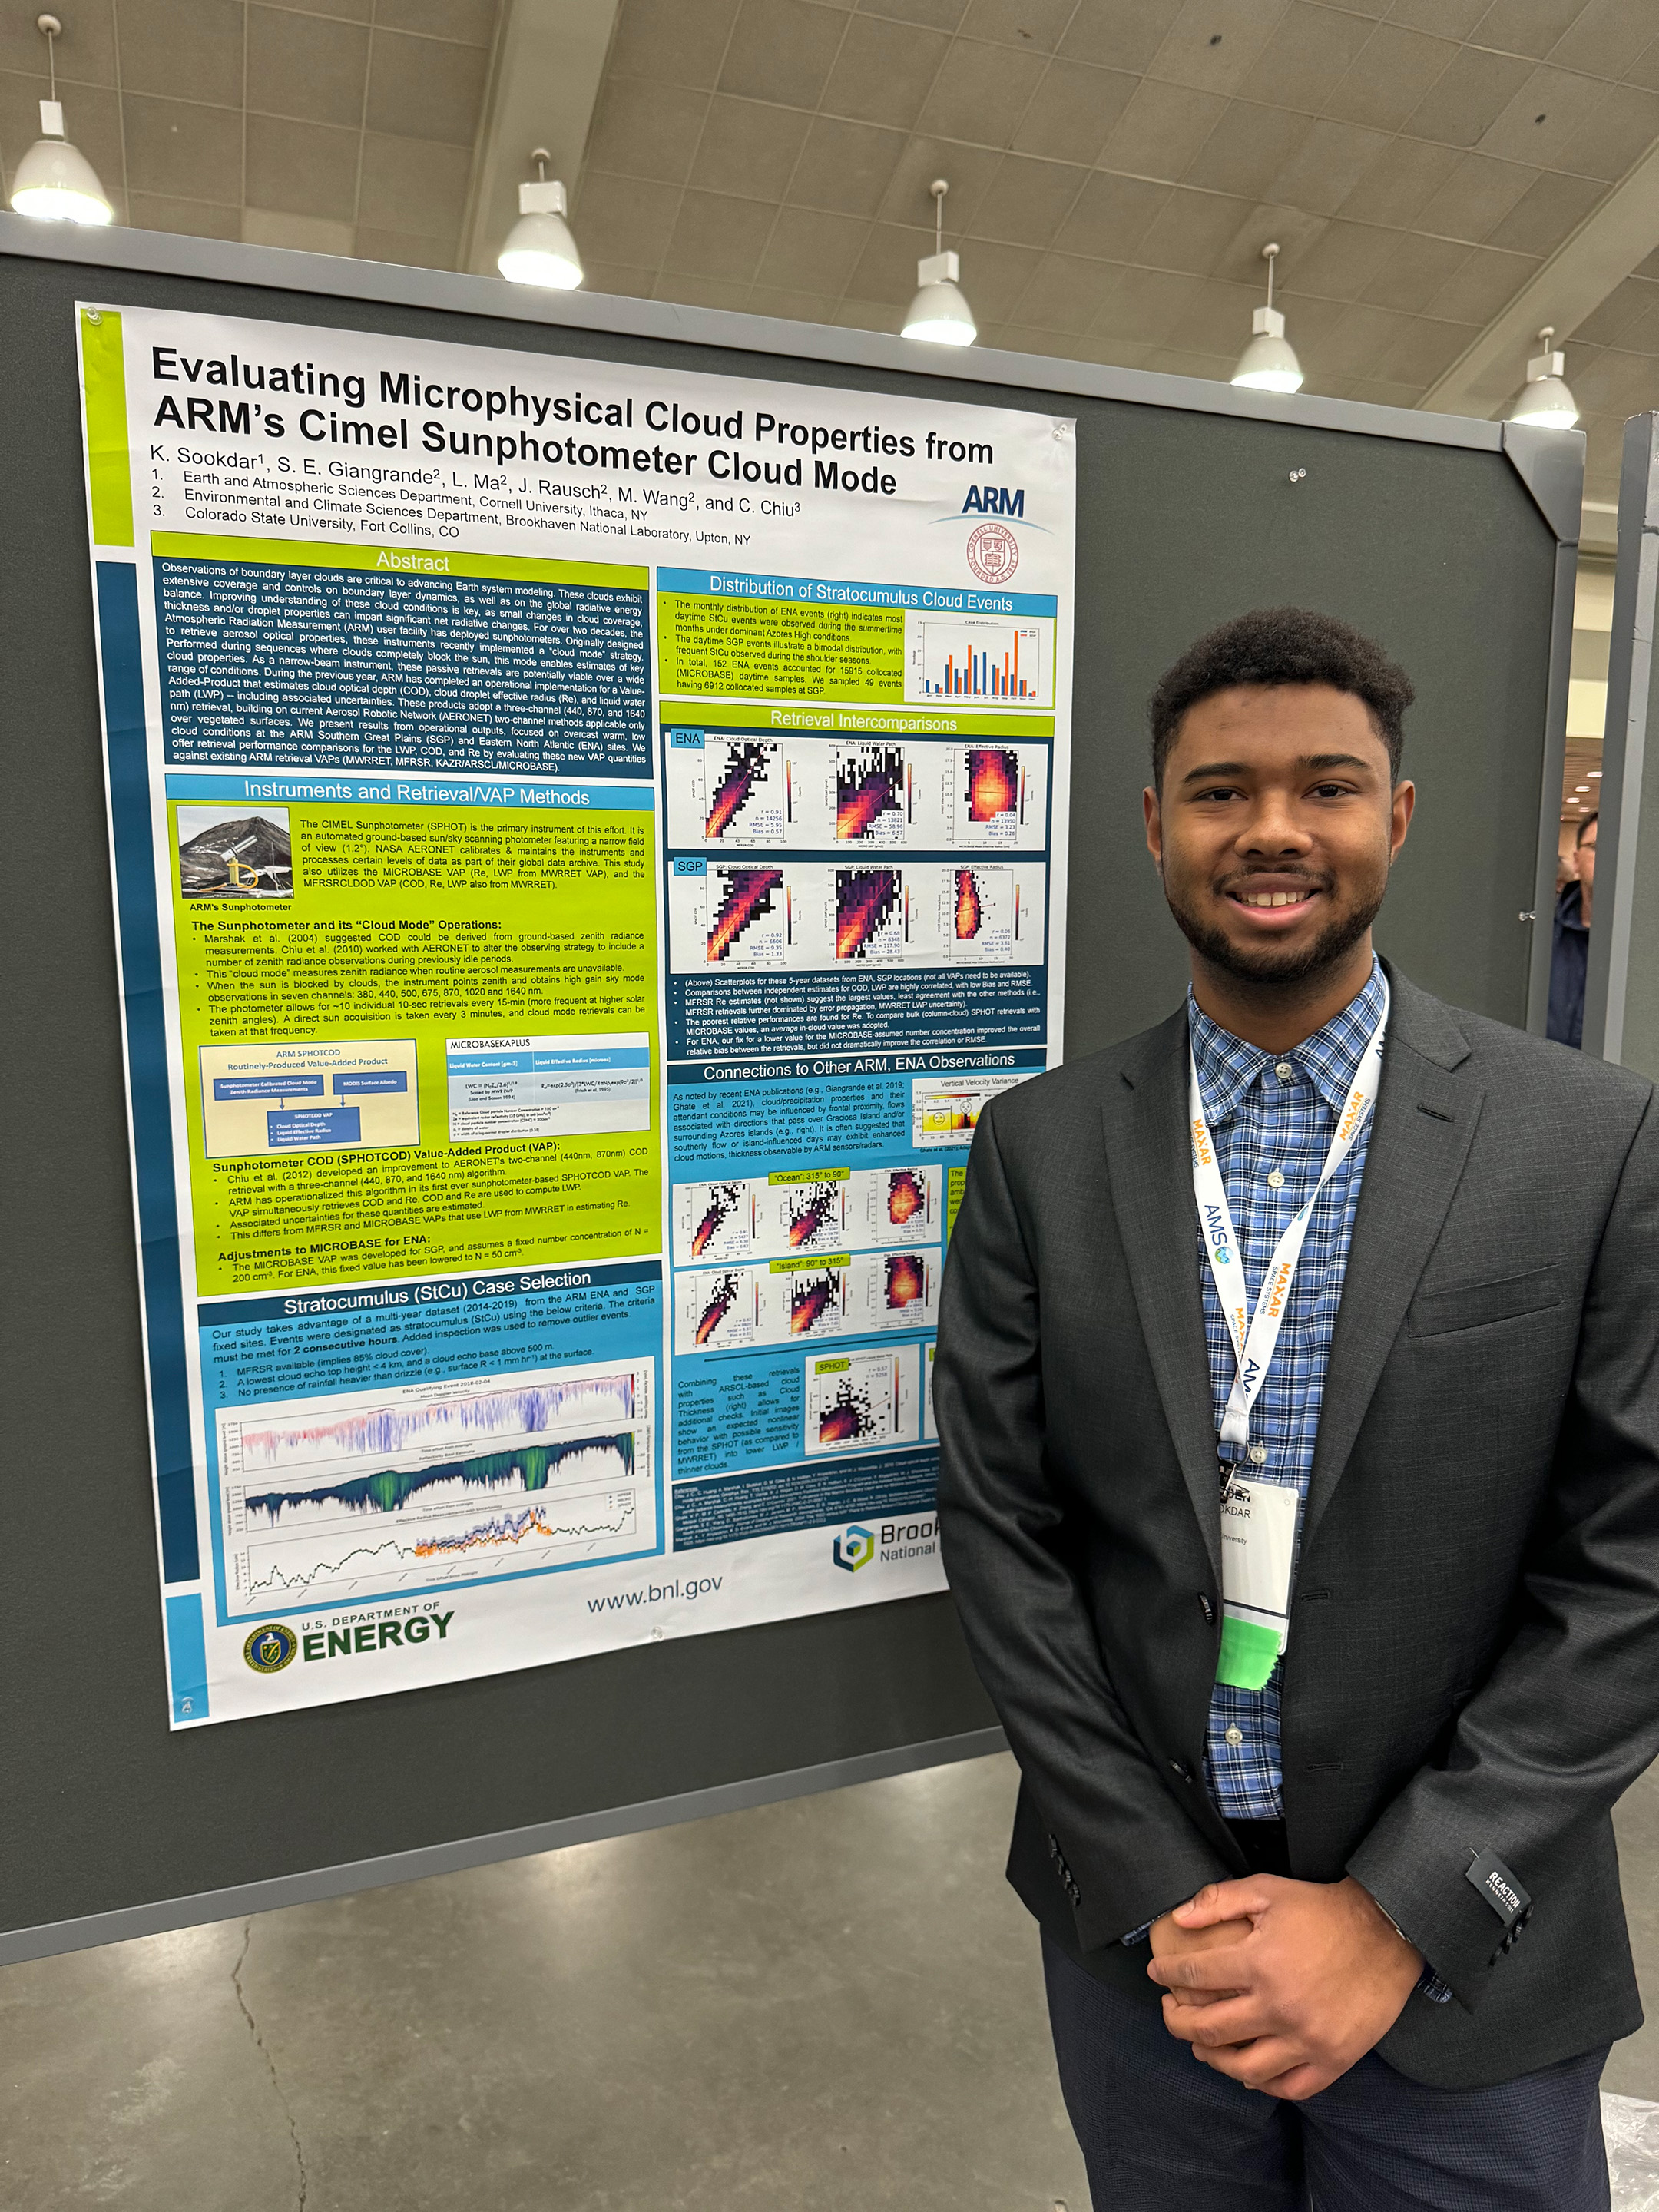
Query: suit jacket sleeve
[[1132, 1852], [1568, 1717]]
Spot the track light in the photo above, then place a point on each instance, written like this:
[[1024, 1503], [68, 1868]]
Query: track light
[[939, 313], [54, 183], [1545, 398], [1268, 363], [539, 249]]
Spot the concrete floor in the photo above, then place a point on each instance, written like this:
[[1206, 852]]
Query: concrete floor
[[812, 2007]]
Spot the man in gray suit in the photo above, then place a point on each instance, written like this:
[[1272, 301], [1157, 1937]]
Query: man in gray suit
[[1321, 1607]]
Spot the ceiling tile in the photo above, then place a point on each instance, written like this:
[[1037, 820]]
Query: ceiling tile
[[980, 94], [1357, 342], [935, 15], [1484, 286], [1146, 305], [1190, 231], [624, 219], [641, 128], [1122, 33], [725, 294], [813, 252], [191, 218], [308, 66], [610, 278], [1216, 320], [302, 168], [1650, 267], [746, 148], [1641, 335], [1427, 350], [1248, 148], [1606, 38], [1618, 134], [970, 170], [677, 42], [1452, 19], [1550, 109], [1644, 69], [1331, 162], [1618, 383], [716, 235], [867, 315], [845, 165], [1414, 272], [469, 22], [1401, 181], [1468, 98], [416, 187], [298, 233], [884, 71], [418, 88], [1110, 217], [354, 12], [1292, 230], [187, 49], [992, 275], [1162, 129], [413, 253], [1037, 24], [1072, 110], [1548, 212], [1065, 293], [1622, 309], [1307, 56], [1028, 201], [1395, 70], [183, 151], [1478, 193], [886, 266], [792, 307], [782, 50], [86, 49], [1213, 45], [1342, 261], [1526, 27]]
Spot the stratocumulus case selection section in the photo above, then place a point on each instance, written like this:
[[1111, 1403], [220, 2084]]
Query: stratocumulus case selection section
[[588, 841]]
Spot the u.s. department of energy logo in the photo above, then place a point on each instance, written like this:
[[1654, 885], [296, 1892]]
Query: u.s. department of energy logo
[[269, 1650], [855, 1549]]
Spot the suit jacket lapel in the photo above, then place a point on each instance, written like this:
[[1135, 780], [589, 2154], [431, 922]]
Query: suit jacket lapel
[[1425, 1120], [1149, 1161]]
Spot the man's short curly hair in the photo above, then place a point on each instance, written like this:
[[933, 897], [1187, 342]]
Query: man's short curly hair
[[1282, 645]]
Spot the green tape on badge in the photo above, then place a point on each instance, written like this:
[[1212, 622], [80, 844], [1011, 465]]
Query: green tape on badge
[[1248, 1654]]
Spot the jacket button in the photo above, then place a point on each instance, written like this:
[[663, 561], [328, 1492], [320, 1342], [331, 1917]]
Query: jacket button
[[1180, 1766]]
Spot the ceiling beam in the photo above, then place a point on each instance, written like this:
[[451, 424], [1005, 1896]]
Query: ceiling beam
[[1616, 237], [545, 80]]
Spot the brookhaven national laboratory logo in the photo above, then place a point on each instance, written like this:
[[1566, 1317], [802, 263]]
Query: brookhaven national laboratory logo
[[993, 552], [855, 1549], [269, 1650]]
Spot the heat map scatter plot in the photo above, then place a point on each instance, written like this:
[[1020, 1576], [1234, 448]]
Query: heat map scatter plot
[[869, 914], [744, 798], [716, 1309], [818, 1303], [870, 795], [907, 1196], [815, 1210], [366, 1495], [861, 1400], [746, 902], [993, 783], [712, 1220]]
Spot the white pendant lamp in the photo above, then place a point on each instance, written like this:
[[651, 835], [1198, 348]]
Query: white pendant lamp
[[1268, 363], [539, 249], [939, 313], [53, 182], [1545, 398]]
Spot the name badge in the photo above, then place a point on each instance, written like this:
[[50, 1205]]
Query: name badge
[[1258, 1543]]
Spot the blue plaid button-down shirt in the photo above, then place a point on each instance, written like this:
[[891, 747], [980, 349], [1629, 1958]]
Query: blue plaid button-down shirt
[[1275, 1113]]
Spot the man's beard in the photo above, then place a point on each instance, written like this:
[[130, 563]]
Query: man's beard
[[1271, 971]]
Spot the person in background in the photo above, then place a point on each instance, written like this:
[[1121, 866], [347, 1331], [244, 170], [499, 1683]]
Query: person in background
[[1571, 959]]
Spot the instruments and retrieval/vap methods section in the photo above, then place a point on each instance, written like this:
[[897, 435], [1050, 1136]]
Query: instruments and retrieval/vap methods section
[[589, 840]]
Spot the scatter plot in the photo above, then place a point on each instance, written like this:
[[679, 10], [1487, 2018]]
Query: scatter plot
[[907, 1196], [815, 1301], [862, 1401], [906, 1281], [813, 1209], [741, 900], [992, 784], [718, 1303], [970, 906], [870, 793], [869, 914], [739, 773]]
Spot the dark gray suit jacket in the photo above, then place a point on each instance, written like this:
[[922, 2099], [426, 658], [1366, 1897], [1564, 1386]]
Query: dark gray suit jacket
[[1474, 1659]]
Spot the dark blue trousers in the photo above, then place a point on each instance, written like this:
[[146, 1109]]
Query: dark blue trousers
[[1163, 2132]]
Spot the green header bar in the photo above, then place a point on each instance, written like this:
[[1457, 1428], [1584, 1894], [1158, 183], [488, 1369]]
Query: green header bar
[[109, 473], [388, 560], [895, 721]]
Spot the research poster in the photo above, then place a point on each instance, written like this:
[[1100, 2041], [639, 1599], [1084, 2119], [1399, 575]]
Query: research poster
[[588, 840]]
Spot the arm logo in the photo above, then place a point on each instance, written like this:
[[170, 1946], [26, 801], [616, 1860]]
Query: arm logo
[[855, 1549], [269, 1650]]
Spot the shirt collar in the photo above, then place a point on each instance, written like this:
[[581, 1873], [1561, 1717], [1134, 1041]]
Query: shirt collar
[[1330, 1058]]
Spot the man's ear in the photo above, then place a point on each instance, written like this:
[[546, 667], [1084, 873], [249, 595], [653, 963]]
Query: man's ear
[[1150, 809]]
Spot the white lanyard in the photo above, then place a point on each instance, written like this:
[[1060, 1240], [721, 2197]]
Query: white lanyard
[[1255, 1336]]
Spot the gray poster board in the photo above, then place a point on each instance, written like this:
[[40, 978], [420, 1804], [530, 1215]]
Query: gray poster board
[[1451, 541]]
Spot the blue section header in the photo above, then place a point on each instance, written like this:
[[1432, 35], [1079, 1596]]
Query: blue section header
[[411, 791], [792, 1067], [830, 592], [438, 1290]]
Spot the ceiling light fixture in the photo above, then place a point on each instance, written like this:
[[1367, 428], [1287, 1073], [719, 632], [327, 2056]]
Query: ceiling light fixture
[[1545, 398], [539, 249], [1268, 363], [939, 313], [54, 183]]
